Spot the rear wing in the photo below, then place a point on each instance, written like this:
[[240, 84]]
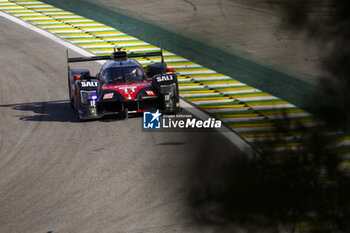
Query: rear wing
[[116, 55]]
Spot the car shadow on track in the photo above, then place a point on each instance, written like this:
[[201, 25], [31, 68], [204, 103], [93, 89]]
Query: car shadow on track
[[53, 111], [59, 111]]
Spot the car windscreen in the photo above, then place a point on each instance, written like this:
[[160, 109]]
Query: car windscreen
[[122, 75]]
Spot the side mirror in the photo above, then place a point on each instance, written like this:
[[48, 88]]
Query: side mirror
[[154, 69]]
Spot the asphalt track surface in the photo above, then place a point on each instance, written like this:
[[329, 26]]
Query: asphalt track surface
[[61, 175]]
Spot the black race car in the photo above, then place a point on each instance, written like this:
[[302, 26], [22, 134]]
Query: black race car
[[122, 86]]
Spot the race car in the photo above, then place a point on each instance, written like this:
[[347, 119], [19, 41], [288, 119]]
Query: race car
[[122, 86]]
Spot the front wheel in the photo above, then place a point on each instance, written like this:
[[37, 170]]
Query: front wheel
[[70, 95], [79, 115], [125, 114]]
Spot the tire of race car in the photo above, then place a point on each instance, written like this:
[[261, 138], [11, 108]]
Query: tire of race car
[[126, 114], [80, 118], [78, 114], [71, 103], [70, 94]]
